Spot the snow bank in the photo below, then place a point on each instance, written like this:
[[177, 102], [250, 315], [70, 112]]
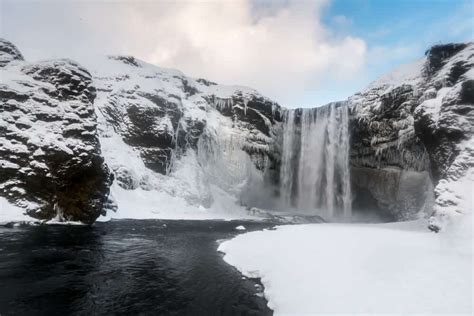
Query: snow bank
[[11, 213], [155, 204], [341, 268], [186, 193]]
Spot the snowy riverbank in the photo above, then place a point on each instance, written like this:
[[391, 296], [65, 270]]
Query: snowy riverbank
[[348, 268]]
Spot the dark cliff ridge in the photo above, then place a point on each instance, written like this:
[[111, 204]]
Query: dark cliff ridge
[[50, 158], [414, 126], [411, 130]]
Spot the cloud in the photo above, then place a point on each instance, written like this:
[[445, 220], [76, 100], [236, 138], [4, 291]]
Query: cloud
[[281, 48]]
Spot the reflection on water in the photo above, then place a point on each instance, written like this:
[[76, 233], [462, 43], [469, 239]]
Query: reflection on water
[[123, 267]]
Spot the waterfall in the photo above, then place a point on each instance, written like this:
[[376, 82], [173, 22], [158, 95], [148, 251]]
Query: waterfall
[[287, 171], [314, 173]]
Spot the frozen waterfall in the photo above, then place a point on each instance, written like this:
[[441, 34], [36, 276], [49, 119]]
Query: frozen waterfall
[[314, 174]]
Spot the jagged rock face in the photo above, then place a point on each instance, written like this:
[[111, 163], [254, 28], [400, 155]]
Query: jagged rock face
[[167, 133], [51, 161], [261, 118], [8, 52], [162, 131], [162, 113], [412, 120], [444, 121], [445, 116], [384, 146]]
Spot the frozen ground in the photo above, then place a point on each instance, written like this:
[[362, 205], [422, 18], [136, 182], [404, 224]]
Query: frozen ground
[[142, 204], [11, 213], [349, 268]]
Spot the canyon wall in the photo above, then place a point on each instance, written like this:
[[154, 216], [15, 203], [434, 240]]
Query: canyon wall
[[412, 130], [175, 142]]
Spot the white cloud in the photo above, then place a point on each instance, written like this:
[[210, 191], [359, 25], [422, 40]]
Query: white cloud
[[280, 48]]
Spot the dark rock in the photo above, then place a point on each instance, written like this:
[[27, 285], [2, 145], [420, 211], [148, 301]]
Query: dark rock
[[129, 60], [50, 155], [8, 52], [438, 54], [412, 124]]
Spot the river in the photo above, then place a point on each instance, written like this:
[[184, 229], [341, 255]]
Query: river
[[138, 267]]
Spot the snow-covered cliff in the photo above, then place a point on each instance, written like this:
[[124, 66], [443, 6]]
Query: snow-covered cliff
[[180, 147], [50, 160], [413, 128]]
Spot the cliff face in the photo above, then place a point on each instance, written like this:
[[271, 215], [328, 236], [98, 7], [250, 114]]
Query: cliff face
[[444, 121], [188, 141], [175, 143], [389, 163], [412, 129], [50, 158]]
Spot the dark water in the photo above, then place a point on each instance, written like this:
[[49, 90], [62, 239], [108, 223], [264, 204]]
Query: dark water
[[123, 267]]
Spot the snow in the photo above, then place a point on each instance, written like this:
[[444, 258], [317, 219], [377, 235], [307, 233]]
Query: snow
[[463, 56], [455, 193], [155, 204], [183, 194], [199, 184], [408, 74], [396, 268], [240, 227], [11, 213], [433, 106]]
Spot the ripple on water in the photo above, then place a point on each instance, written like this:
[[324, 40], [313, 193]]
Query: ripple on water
[[124, 267]]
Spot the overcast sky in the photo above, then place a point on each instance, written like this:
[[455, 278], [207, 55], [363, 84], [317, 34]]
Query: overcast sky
[[299, 53]]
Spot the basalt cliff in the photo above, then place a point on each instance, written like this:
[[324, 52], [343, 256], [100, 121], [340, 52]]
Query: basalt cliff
[[120, 136]]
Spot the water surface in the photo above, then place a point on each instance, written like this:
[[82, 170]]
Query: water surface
[[147, 267]]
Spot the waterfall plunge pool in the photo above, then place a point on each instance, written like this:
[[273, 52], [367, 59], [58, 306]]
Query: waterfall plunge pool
[[125, 267]]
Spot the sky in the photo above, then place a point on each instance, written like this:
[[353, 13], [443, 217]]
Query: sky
[[299, 53]]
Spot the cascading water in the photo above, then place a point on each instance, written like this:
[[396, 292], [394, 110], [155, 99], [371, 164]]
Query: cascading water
[[314, 174]]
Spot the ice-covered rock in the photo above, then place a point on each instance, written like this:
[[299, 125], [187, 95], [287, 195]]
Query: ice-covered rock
[[51, 164], [444, 121], [412, 128], [181, 147], [190, 139], [384, 148], [8, 52]]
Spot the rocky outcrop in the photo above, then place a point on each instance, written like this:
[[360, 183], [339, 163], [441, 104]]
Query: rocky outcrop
[[161, 118], [260, 118], [444, 121], [162, 113], [384, 148], [51, 163], [416, 122], [161, 132], [8, 53]]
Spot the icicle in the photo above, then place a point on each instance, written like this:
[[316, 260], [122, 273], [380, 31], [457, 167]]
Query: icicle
[[223, 104], [59, 213], [174, 151]]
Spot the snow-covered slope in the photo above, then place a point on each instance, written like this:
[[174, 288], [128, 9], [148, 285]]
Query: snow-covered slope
[[180, 147]]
